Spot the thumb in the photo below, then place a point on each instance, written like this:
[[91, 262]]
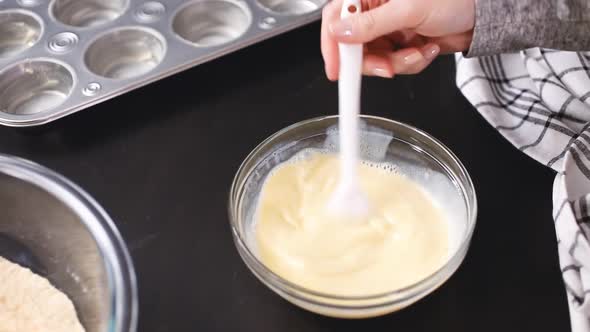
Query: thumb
[[364, 27]]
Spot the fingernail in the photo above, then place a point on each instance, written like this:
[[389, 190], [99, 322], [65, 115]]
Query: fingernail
[[342, 28], [413, 58], [431, 52], [381, 72]]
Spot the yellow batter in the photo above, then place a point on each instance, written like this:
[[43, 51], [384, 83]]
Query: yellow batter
[[403, 240]]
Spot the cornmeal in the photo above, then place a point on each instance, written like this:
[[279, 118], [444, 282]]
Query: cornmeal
[[29, 303]]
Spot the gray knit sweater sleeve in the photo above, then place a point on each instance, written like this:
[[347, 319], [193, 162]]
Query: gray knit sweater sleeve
[[503, 26]]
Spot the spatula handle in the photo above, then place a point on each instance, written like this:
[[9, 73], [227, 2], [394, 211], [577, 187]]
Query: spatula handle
[[349, 85]]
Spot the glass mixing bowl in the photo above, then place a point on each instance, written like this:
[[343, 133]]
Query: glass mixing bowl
[[54, 228], [414, 154]]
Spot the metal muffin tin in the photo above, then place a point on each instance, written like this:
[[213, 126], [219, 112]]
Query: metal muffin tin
[[61, 56]]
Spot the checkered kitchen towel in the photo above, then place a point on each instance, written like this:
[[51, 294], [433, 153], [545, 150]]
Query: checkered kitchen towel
[[539, 100]]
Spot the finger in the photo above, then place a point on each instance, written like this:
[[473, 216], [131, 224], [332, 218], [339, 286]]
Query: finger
[[378, 64], [379, 45], [402, 37], [389, 17], [407, 38], [329, 46], [448, 44], [414, 60], [370, 4], [454, 43]]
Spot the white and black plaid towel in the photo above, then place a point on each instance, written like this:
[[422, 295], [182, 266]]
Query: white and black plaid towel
[[539, 100]]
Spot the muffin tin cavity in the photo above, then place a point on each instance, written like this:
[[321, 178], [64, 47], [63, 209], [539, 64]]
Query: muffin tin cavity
[[211, 23], [19, 31], [87, 13], [292, 7], [34, 86], [125, 53]]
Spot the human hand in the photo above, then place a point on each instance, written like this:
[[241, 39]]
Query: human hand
[[399, 36]]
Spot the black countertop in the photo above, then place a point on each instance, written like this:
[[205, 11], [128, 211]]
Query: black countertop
[[161, 159]]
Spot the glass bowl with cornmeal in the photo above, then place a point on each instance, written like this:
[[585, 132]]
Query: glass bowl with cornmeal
[[63, 265], [421, 215]]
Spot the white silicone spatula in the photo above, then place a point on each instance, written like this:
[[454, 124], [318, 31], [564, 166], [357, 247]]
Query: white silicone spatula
[[349, 199]]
